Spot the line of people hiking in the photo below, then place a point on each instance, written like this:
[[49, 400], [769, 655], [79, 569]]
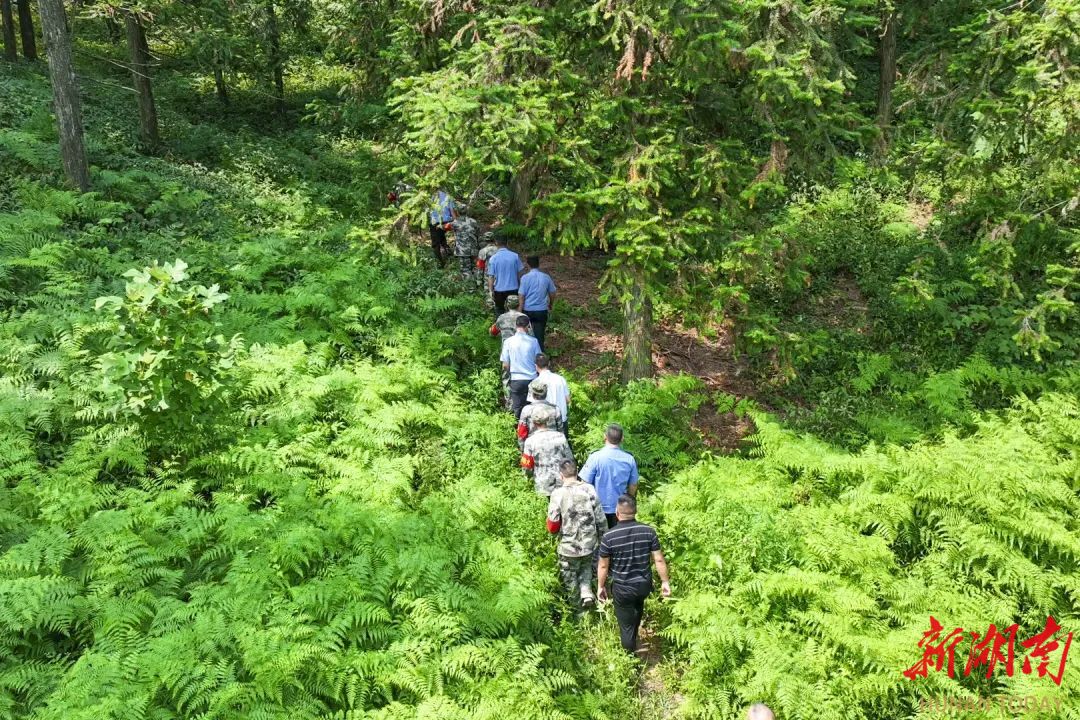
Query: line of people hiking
[[592, 510]]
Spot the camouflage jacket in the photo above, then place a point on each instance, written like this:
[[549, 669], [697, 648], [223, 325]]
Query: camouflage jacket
[[506, 324], [544, 451], [536, 409], [466, 237], [576, 506]]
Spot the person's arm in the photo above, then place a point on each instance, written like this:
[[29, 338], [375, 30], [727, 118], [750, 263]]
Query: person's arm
[[601, 576], [552, 289], [554, 515], [504, 357], [661, 570], [631, 487], [599, 518], [528, 460], [587, 471]]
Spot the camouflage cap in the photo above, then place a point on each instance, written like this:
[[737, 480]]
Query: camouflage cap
[[538, 389], [512, 300], [488, 237]]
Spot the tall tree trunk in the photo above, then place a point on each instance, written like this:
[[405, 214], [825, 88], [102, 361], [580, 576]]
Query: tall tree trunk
[[140, 75], [65, 93], [26, 28], [276, 62], [887, 74], [521, 193], [637, 330], [220, 88], [11, 50]]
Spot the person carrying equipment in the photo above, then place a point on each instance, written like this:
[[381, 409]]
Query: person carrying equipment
[[505, 325], [543, 455], [538, 407], [574, 513], [625, 551], [442, 212], [519, 359], [537, 291], [465, 231], [558, 392], [612, 471], [503, 271]]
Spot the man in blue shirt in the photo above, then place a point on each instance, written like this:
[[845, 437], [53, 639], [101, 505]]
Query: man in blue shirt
[[519, 359], [537, 291], [612, 471], [442, 212], [503, 270]]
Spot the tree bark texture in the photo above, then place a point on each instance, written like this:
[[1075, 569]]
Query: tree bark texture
[[11, 50], [220, 88], [65, 93], [887, 76], [521, 194], [26, 28], [140, 74], [276, 61], [637, 330]]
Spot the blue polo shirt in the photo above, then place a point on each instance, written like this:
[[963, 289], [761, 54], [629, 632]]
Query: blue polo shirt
[[504, 266], [534, 290], [519, 352], [611, 470], [442, 206]]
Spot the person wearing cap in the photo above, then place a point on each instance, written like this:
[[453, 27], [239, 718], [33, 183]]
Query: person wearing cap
[[519, 359], [487, 249], [503, 271], [612, 471], [558, 392], [538, 407], [574, 513], [505, 325], [537, 291], [543, 454], [441, 213]]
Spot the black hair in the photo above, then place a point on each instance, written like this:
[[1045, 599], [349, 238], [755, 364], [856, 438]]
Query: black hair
[[627, 504], [541, 361], [522, 322], [533, 260], [568, 468], [613, 433]]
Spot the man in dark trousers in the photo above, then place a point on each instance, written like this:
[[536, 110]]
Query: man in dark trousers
[[625, 551], [504, 269], [537, 291]]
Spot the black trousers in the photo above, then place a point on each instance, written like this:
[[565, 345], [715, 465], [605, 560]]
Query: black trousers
[[629, 604], [499, 296], [438, 243], [519, 396], [539, 324], [611, 520]]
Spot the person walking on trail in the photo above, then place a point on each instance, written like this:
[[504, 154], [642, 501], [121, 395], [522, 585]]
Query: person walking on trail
[[488, 249], [442, 212], [538, 407], [759, 711], [574, 513], [537, 291], [612, 471], [543, 455], [625, 551], [466, 246], [558, 392], [519, 359], [505, 325], [503, 272]]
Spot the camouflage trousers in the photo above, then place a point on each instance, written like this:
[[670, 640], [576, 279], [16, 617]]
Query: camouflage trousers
[[469, 272], [577, 578]]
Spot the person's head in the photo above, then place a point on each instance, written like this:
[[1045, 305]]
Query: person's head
[[759, 711], [534, 261], [522, 324], [488, 238], [613, 434], [512, 301], [568, 469], [540, 421], [541, 362], [626, 507], [500, 239], [538, 389]]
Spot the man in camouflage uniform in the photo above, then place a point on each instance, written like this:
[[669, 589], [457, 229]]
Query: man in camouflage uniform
[[542, 455], [505, 325], [466, 245], [489, 248], [574, 512], [538, 407]]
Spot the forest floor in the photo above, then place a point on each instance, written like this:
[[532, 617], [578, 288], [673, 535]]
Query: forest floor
[[585, 337]]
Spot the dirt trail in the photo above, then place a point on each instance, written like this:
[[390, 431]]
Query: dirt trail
[[590, 340]]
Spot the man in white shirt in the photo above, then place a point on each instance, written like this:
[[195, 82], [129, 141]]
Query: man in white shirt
[[558, 392], [519, 359]]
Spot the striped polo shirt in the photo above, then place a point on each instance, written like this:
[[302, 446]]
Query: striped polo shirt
[[629, 545]]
